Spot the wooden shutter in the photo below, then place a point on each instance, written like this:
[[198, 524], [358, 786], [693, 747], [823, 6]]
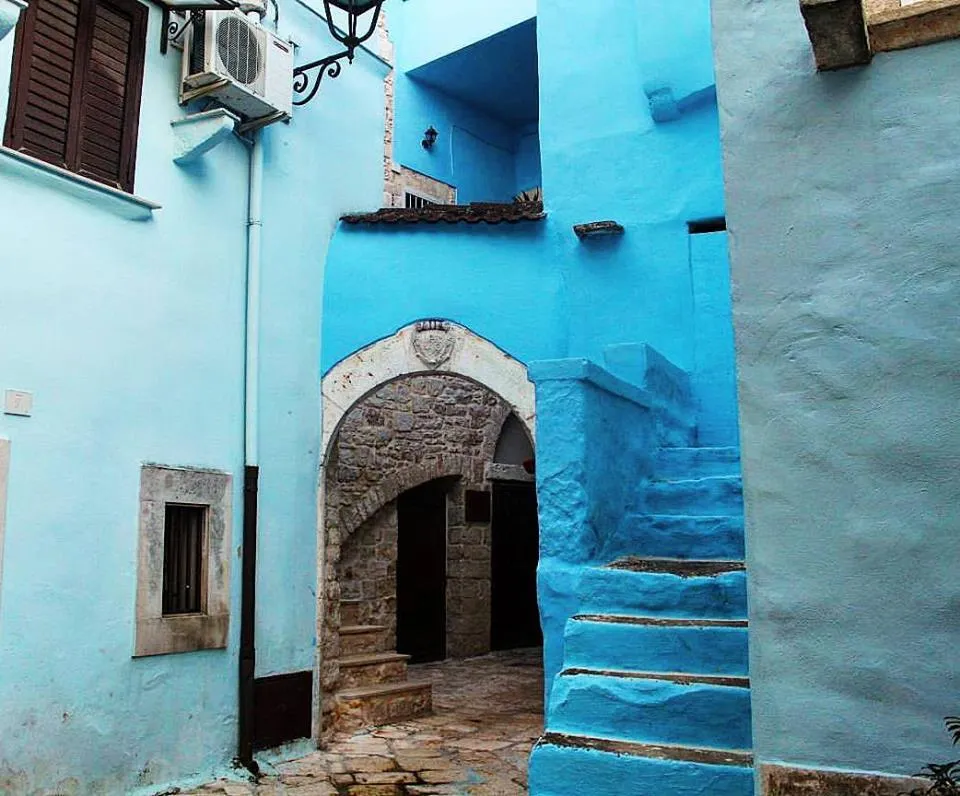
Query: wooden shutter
[[75, 99]]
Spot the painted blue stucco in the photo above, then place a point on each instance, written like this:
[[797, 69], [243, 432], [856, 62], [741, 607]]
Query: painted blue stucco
[[432, 29], [618, 627], [842, 191], [541, 293], [130, 335], [558, 771]]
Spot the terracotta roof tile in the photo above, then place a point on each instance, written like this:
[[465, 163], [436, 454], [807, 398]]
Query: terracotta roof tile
[[487, 213]]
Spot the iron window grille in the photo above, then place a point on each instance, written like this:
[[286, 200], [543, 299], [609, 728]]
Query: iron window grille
[[184, 546], [415, 202]]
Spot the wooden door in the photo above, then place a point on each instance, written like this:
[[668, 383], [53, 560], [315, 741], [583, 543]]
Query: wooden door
[[422, 573], [515, 617]]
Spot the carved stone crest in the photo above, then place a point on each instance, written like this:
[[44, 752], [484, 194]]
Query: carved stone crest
[[433, 342]]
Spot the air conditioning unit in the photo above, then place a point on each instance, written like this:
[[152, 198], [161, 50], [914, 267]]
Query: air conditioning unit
[[233, 59]]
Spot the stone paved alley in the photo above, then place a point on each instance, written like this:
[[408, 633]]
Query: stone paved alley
[[488, 712]]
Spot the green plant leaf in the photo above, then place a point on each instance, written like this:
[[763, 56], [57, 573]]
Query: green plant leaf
[[953, 727]]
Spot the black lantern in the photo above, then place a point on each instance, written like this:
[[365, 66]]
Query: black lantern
[[355, 11], [362, 18]]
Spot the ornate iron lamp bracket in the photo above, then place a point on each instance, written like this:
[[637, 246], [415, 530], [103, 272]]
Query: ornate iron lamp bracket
[[307, 78], [306, 85]]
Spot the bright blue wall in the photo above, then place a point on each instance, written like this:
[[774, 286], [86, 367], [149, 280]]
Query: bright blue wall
[[527, 161], [431, 29], [603, 158], [475, 152], [491, 279], [842, 192], [484, 144], [130, 336]]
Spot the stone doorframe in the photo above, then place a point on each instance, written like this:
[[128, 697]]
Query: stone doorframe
[[425, 347]]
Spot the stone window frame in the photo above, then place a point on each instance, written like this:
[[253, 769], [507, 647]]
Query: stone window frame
[[848, 33], [157, 634]]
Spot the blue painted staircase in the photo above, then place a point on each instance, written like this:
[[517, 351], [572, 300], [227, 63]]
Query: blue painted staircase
[[654, 698]]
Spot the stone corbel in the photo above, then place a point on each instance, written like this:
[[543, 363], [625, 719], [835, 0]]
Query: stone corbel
[[198, 133], [9, 14], [838, 32]]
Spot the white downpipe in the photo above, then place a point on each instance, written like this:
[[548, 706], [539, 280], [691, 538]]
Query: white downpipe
[[252, 370]]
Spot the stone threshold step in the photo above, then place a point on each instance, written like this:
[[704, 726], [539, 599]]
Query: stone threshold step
[[356, 630], [685, 568], [372, 659], [389, 689], [687, 754], [680, 678], [653, 621]]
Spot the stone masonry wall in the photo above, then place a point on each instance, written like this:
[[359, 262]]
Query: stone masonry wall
[[368, 568], [406, 433]]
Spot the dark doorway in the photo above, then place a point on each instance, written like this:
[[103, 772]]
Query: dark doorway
[[515, 619], [422, 572]]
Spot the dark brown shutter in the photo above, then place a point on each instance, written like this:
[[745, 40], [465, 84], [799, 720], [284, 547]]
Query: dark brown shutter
[[41, 93], [75, 99]]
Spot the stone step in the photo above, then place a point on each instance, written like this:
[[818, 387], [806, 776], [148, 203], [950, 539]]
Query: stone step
[[696, 462], [361, 639], [677, 536], [647, 644], [653, 708], [696, 497], [373, 669], [350, 612], [682, 589], [371, 706], [573, 765]]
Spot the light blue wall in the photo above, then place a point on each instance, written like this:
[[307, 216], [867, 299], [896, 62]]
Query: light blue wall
[[130, 336], [842, 192], [328, 161]]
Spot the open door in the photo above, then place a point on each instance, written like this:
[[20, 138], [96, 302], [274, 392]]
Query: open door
[[422, 573], [515, 617]]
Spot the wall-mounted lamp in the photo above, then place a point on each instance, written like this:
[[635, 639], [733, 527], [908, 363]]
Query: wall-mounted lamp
[[429, 138], [354, 35]]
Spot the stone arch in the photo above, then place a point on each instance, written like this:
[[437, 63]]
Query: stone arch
[[429, 346], [393, 486]]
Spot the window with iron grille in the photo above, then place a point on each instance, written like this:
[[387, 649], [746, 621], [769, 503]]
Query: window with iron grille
[[75, 92], [414, 202], [184, 533]]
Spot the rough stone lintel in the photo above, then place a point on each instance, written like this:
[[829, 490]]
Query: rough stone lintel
[[838, 32], [785, 781], [893, 27]]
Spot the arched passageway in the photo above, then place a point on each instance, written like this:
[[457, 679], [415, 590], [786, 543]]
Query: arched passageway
[[410, 484]]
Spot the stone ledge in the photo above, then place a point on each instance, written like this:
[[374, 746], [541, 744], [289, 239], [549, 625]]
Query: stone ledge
[[125, 205], [781, 780], [847, 33], [895, 27]]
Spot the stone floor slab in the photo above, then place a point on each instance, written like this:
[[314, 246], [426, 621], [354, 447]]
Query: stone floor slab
[[488, 713]]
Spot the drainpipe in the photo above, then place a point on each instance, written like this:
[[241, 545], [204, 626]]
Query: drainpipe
[[251, 453]]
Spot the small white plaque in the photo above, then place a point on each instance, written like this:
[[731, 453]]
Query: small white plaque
[[18, 402]]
